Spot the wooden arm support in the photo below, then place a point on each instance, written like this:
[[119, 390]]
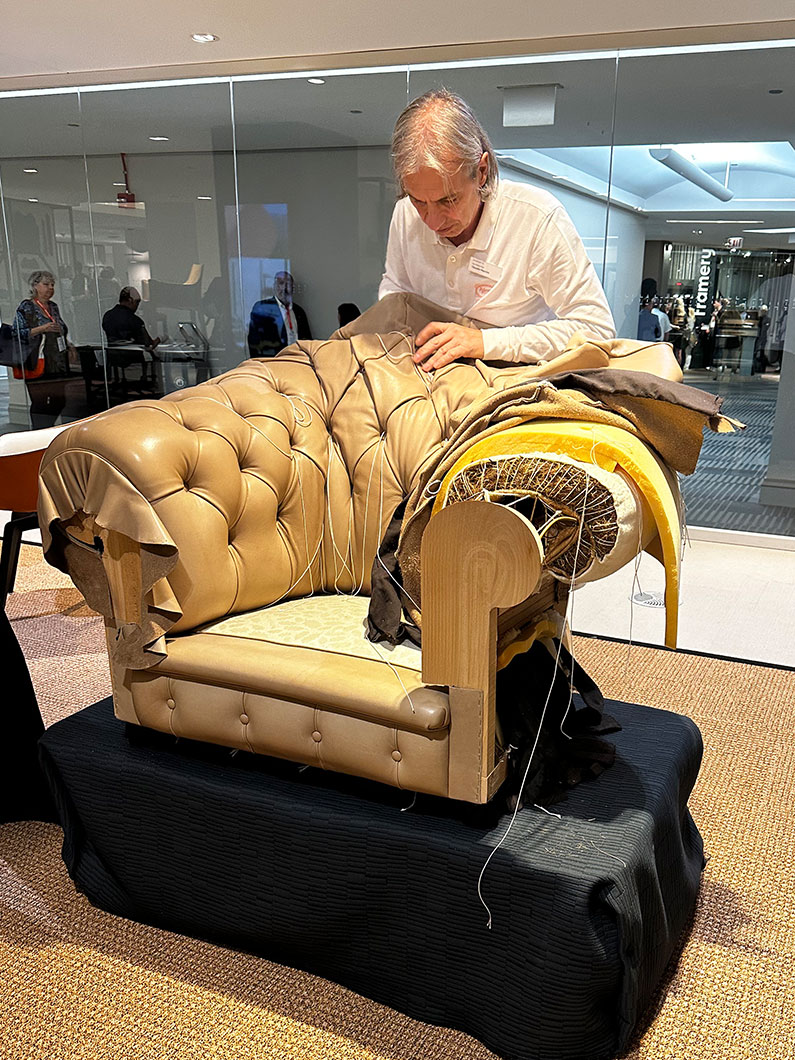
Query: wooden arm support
[[477, 557], [121, 563]]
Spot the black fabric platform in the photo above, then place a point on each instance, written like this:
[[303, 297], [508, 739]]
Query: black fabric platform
[[327, 874]]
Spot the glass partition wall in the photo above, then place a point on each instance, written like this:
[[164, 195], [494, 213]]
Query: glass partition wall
[[676, 166], [703, 151]]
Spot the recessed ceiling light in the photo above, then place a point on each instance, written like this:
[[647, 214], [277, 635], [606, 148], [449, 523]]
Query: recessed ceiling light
[[33, 200], [158, 138], [204, 38], [316, 80], [205, 198], [30, 170]]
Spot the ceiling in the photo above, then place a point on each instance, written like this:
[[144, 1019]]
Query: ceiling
[[50, 43]]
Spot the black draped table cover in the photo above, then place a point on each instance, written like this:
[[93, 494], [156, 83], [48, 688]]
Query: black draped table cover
[[334, 876]]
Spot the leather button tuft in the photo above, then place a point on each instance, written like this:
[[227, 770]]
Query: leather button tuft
[[397, 756], [316, 736], [170, 704], [244, 718]]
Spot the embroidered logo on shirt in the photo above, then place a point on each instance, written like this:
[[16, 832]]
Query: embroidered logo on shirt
[[482, 289]]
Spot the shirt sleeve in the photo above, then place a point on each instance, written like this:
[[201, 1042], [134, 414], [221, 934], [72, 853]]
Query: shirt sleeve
[[562, 274], [395, 278], [24, 320]]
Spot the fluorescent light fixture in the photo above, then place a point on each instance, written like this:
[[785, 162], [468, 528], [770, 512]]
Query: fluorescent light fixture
[[204, 38], [316, 80], [774, 231], [119, 184], [159, 138], [30, 170], [205, 198], [709, 221], [524, 106], [690, 171], [33, 200]]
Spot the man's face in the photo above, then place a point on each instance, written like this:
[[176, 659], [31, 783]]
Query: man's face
[[283, 287], [448, 205]]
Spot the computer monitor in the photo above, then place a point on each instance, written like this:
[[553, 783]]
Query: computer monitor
[[194, 336]]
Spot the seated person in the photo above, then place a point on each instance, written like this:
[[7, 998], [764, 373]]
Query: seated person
[[122, 324], [277, 322]]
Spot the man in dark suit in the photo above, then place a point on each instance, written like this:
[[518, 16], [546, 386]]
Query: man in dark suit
[[277, 322]]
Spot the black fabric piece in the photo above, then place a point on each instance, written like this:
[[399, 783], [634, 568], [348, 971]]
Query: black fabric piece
[[540, 717], [24, 793], [325, 873], [385, 616]]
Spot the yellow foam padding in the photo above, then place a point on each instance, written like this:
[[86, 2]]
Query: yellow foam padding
[[541, 630], [607, 447]]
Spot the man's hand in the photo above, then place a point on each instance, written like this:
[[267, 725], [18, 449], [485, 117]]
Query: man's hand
[[438, 344]]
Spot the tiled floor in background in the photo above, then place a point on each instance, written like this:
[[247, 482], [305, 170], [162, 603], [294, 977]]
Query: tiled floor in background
[[736, 600]]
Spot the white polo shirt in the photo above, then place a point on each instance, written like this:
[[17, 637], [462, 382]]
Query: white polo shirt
[[524, 270]]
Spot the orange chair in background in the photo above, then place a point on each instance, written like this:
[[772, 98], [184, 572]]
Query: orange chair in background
[[20, 457]]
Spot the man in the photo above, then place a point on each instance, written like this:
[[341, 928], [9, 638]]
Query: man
[[504, 253], [277, 322], [122, 324]]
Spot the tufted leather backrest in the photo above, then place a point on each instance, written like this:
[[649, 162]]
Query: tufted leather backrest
[[276, 479]]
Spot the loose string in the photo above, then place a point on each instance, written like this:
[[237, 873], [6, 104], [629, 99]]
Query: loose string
[[512, 821]]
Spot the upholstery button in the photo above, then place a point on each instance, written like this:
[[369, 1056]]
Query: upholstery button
[[397, 756], [316, 736], [450, 283], [244, 718], [170, 704]]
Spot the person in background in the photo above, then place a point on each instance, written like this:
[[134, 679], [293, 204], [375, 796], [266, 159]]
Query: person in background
[[346, 312], [41, 329], [501, 252], [761, 362], [107, 284], [665, 322], [649, 327], [122, 324], [278, 321]]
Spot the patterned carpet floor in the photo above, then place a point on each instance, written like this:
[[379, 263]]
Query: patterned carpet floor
[[79, 984]]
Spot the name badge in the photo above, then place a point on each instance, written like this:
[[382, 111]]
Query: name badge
[[481, 267], [61, 344]]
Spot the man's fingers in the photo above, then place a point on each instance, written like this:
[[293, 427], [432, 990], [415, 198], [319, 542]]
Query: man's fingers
[[434, 328], [432, 345]]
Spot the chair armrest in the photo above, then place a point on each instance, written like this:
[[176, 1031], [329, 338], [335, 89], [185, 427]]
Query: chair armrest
[[476, 557]]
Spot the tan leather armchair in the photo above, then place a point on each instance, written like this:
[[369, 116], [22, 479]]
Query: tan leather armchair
[[227, 533]]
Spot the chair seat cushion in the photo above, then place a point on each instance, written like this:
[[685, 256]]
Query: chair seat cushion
[[298, 680], [329, 622]]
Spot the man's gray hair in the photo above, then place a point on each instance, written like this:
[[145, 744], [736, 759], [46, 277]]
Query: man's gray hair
[[439, 130], [39, 276]]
